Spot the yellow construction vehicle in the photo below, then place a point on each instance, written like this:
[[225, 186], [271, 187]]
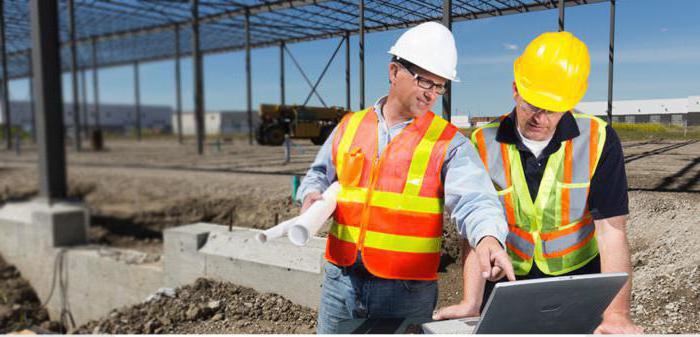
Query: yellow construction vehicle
[[299, 122]]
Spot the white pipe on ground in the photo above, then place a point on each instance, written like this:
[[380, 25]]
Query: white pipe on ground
[[311, 221], [275, 232]]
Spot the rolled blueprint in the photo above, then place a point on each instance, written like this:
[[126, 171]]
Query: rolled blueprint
[[311, 221], [276, 232]]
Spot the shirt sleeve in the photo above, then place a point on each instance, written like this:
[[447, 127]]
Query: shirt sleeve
[[321, 174], [608, 191], [470, 197]]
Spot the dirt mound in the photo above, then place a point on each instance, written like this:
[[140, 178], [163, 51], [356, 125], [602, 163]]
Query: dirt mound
[[664, 237], [208, 307], [19, 306]]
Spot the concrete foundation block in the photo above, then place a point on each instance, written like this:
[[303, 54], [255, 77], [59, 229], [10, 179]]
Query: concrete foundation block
[[56, 225], [183, 262], [96, 284], [277, 266], [60, 225]]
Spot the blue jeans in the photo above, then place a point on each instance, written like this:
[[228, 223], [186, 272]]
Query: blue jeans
[[352, 292]]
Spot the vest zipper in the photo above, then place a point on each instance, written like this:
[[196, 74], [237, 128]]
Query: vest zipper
[[365, 210]]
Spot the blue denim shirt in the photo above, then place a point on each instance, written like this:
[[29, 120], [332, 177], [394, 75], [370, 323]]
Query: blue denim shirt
[[470, 198]]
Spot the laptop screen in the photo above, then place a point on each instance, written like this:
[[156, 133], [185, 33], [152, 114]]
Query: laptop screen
[[567, 304]]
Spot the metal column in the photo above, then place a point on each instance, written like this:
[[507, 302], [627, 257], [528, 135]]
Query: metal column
[[32, 109], [282, 89], [447, 97], [83, 88], [611, 59], [347, 71], [74, 75], [561, 15], [5, 82], [248, 79], [95, 85], [47, 90], [137, 100], [178, 89], [198, 84], [362, 54]]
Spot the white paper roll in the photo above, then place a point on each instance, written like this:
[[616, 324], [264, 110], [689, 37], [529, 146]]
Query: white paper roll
[[276, 232], [311, 221]]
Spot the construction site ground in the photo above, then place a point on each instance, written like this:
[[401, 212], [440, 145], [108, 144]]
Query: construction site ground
[[134, 190]]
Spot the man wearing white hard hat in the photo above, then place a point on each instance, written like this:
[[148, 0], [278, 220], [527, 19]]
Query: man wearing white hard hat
[[400, 166]]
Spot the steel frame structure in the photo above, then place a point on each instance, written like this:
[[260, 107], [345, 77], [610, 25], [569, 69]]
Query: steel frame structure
[[94, 34]]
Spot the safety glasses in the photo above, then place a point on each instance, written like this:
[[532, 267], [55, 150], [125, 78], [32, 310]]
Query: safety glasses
[[423, 82]]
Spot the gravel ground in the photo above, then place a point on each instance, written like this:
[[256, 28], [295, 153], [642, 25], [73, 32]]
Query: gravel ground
[[208, 307], [132, 204]]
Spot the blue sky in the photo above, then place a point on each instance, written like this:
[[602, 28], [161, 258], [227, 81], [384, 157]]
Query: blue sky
[[657, 55]]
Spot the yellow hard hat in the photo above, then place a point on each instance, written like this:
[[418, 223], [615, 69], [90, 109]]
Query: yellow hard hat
[[552, 72]]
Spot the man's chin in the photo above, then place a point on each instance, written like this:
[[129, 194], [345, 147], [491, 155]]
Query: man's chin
[[535, 135]]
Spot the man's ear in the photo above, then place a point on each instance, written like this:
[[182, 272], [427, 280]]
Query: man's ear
[[393, 71], [515, 91]]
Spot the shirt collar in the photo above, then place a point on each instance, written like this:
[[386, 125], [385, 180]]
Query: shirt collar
[[566, 129]]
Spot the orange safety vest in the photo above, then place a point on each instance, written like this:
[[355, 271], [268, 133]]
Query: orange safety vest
[[390, 208]]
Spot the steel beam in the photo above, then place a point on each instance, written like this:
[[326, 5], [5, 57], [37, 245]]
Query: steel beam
[[85, 110], [347, 71], [96, 85], [561, 15], [248, 78], [5, 81], [611, 60], [282, 89], [32, 108], [268, 6], [178, 86], [447, 97], [362, 52], [198, 82], [137, 100], [306, 78], [46, 66], [323, 73], [74, 75]]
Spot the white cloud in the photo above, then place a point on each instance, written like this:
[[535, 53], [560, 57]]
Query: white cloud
[[664, 30], [510, 46]]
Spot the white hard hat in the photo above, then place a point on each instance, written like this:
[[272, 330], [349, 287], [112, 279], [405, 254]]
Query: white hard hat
[[430, 46]]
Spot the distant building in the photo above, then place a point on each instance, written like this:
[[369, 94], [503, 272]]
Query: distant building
[[113, 117], [670, 111], [218, 122], [463, 122]]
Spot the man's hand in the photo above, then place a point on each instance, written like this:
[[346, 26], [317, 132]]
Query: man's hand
[[618, 323], [460, 310], [309, 200], [493, 260]]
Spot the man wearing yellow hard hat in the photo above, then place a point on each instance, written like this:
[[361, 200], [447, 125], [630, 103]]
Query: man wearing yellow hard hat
[[560, 177]]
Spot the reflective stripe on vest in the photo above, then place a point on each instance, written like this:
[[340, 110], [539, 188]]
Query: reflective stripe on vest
[[390, 207], [556, 230]]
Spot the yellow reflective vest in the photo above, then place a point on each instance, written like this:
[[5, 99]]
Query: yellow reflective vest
[[556, 230]]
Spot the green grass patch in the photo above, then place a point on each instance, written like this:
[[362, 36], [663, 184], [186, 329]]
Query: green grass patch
[[642, 131], [629, 131]]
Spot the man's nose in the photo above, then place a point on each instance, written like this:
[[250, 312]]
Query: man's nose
[[541, 117], [430, 95]]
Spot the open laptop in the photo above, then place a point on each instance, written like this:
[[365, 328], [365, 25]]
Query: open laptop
[[558, 305]]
